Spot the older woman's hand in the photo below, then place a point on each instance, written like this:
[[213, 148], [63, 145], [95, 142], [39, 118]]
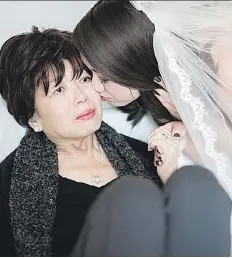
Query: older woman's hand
[[168, 142]]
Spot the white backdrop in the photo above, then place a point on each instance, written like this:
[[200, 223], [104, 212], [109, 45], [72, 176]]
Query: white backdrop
[[20, 16]]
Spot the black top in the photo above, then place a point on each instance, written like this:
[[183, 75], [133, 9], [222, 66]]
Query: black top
[[73, 202]]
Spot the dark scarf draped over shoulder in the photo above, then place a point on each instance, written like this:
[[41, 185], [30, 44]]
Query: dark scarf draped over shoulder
[[34, 186]]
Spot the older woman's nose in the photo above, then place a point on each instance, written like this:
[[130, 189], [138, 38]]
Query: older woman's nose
[[80, 98]]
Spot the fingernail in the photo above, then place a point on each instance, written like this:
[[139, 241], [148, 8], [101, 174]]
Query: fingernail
[[157, 79], [159, 162], [177, 135], [158, 151], [159, 91], [157, 96], [160, 159]]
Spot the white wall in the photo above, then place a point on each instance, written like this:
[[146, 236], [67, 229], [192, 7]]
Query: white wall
[[20, 16]]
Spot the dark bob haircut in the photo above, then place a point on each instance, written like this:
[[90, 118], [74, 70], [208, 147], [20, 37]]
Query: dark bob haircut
[[117, 40], [25, 63]]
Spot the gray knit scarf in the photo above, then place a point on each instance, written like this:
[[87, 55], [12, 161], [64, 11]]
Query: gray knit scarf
[[34, 186]]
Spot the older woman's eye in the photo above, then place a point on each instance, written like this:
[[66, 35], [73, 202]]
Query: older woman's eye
[[59, 90], [86, 79]]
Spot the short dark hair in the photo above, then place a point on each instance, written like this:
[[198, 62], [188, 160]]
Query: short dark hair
[[117, 40], [25, 63]]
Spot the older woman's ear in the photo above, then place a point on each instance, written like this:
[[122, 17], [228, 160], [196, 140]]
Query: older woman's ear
[[34, 124]]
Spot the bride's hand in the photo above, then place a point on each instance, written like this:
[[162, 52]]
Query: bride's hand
[[163, 96], [168, 142]]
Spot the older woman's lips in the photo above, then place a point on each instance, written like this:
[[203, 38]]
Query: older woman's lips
[[88, 114]]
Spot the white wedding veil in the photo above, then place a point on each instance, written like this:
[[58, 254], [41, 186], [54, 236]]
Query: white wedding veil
[[193, 47]]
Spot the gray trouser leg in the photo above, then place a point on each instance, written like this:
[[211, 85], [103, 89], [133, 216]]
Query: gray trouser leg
[[127, 220], [130, 218], [198, 214]]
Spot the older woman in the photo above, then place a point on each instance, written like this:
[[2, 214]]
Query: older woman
[[68, 155]]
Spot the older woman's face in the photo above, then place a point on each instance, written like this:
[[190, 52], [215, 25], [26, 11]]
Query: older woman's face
[[70, 110]]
